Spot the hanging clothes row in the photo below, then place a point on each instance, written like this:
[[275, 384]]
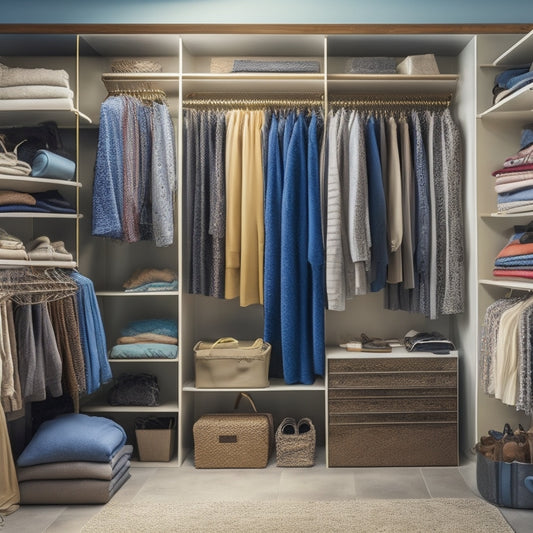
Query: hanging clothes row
[[252, 183], [51, 339], [394, 209], [135, 173], [506, 351]]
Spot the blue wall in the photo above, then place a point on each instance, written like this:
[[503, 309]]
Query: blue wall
[[266, 11]]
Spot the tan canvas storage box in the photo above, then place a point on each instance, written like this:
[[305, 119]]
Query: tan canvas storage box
[[229, 363], [155, 438], [233, 440]]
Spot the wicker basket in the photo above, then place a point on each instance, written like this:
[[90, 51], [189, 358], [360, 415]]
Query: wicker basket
[[297, 449], [135, 65]]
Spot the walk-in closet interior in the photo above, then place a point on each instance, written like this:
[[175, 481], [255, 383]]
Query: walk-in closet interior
[[437, 398]]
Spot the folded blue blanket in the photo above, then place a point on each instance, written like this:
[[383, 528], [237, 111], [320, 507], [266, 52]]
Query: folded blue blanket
[[516, 196], [515, 260], [144, 350], [160, 326], [46, 164], [74, 437]]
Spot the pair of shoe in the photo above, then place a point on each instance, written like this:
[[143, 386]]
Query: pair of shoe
[[368, 344], [507, 445], [41, 249], [289, 426]]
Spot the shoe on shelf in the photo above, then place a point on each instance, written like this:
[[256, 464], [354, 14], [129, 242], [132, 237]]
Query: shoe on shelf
[[304, 425], [288, 426]]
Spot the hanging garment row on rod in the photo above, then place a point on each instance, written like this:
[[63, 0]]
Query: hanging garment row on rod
[[349, 101]]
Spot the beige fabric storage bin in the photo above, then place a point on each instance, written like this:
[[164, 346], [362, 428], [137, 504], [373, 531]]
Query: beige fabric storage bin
[[228, 363]]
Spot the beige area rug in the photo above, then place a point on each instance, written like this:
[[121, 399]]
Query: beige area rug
[[441, 515]]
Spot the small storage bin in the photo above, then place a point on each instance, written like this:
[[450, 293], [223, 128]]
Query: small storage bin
[[505, 484], [298, 449], [155, 438]]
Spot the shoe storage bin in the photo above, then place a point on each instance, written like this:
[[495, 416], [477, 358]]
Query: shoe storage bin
[[296, 449], [505, 484], [155, 438]]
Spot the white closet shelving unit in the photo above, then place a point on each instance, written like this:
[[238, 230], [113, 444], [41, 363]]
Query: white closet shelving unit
[[468, 67], [499, 127], [53, 52]]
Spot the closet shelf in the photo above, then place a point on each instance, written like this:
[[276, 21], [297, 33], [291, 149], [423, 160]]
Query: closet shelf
[[334, 352], [503, 216], [28, 214], [276, 385], [521, 53], [145, 360], [23, 263], [163, 81], [393, 83], [508, 284], [517, 105], [63, 113], [146, 293], [31, 184], [165, 407]]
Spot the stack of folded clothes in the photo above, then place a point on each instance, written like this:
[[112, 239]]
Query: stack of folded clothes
[[150, 338], [516, 258], [511, 80], [11, 247], [43, 88], [37, 202], [151, 279], [74, 459], [514, 181]]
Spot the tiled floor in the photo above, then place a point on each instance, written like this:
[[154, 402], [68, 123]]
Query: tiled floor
[[166, 484]]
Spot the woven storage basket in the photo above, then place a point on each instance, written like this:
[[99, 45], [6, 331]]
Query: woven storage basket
[[297, 449], [135, 65]]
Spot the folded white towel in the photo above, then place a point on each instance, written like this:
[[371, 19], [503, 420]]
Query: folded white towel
[[10, 77], [34, 91]]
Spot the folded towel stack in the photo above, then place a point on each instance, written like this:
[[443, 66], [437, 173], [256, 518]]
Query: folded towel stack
[[42, 86], [74, 459], [150, 339]]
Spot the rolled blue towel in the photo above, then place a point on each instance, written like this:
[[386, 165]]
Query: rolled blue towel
[[47, 164]]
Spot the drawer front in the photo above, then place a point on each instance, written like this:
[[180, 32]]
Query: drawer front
[[392, 418], [392, 380], [398, 364], [422, 444], [392, 405], [419, 392]]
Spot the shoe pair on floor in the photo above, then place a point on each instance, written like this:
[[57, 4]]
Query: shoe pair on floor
[[508, 445], [289, 426]]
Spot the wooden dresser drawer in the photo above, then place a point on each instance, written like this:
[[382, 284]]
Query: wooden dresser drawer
[[392, 380], [392, 404], [393, 364], [418, 444]]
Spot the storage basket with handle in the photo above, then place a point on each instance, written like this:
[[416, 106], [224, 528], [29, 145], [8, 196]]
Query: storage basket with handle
[[229, 363], [298, 448], [233, 440]]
